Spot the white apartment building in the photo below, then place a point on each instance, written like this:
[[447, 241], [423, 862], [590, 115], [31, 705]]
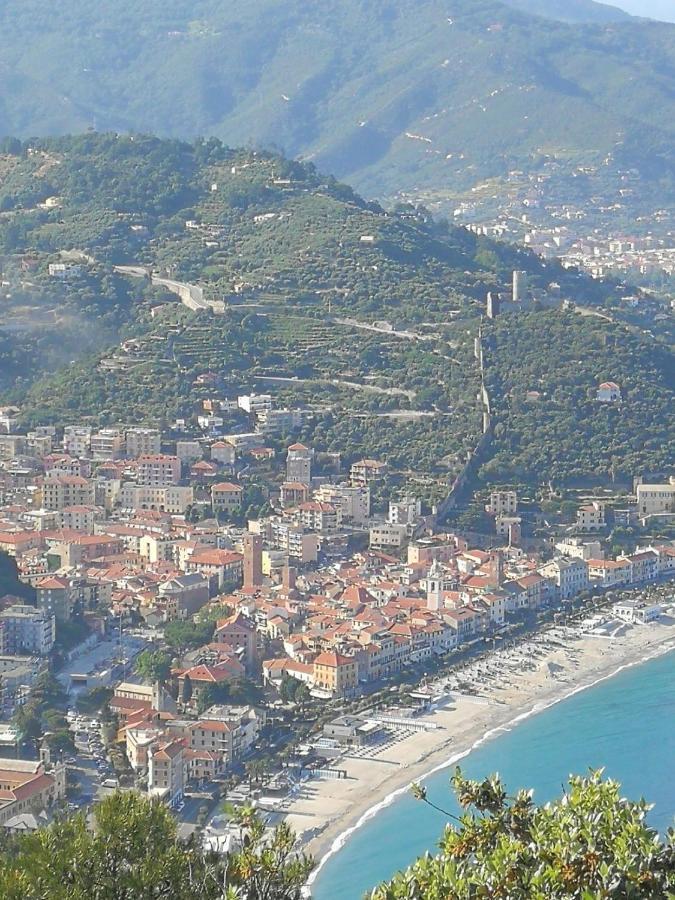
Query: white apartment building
[[142, 442], [354, 502], [404, 512], [569, 574], [292, 539], [255, 404], [591, 517], [278, 421], [387, 535], [76, 440]]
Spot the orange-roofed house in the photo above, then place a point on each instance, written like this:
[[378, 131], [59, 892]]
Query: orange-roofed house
[[166, 771], [223, 568], [226, 497], [53, 596], [293, 493], [239, 634], [609, 392], [609, 572], [336, 675], [202, 677]]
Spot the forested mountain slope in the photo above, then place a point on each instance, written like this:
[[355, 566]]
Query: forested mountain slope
[[395, 95], [365, 319], [544, 370]]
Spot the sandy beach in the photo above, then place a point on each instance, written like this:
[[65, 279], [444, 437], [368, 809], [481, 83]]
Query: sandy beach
[[474, 704]]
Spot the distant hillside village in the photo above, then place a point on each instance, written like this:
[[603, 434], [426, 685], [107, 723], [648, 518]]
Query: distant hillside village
[[126, 542]]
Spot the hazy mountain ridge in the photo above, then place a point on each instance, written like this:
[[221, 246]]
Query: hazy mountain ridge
[[394, 95], [571, 10]]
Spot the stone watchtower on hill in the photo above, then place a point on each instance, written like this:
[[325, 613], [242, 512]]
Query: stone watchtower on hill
[[299, 464]]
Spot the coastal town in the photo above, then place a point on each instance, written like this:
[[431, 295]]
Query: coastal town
[[155, 636]]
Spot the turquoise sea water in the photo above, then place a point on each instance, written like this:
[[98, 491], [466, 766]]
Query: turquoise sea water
[[626, 724]]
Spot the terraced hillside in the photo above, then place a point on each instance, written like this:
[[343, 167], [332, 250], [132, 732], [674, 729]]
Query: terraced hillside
[[365, 320]]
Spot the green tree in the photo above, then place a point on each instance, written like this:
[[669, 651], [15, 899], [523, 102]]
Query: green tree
[[153, 665], [48, 691], [11, 584], [60, 741], [181, 636], [591, 844], [133, 853], [288, 688], [94, 700], [27, 720]]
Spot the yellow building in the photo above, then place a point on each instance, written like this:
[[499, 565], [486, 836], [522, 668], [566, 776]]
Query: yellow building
[[335, 674]]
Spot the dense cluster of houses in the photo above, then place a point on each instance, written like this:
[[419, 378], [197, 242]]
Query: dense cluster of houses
[[318, 593]]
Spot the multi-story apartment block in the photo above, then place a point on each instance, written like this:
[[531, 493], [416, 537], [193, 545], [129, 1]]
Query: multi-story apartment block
[[323, 518], [143, 442], [166, 771], [568, 574], [293, 539], [54, 597], [108, 443], [222, 567], [353, 502], [76, 440], [644, 566], [172, 499], [404, 512], [609, 572], [335, 674], [158, 470], [61, 491], [280, 421], [255, 404], [591, 517], [226, 497], [366, 470], [387, 535], [27, 630], [29, 786]]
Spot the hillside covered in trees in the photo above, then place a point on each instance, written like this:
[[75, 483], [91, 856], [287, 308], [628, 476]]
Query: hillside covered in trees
[[366, 319], [544, 370]]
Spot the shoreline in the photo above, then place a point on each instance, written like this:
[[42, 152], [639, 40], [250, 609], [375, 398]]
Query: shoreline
[[472, 721]]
